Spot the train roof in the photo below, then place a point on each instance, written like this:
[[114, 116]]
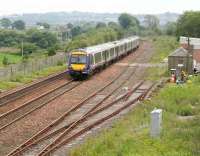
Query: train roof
[[109, 45]]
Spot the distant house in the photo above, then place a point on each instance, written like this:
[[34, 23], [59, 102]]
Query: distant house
[[40, 27]]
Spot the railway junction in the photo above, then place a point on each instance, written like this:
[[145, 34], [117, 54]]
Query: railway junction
[[49, 116]]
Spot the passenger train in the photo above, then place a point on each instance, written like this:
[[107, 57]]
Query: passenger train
[[84, 62]]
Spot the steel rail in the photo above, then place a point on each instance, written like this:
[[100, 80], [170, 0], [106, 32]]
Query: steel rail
[[57, 121], [58, 143], [16, 94], [21, 116]]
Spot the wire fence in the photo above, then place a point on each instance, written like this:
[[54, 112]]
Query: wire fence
[[30, 66]]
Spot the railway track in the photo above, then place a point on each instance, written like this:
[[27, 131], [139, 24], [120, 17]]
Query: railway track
[[14, 95], [85, 106], [22, 111], [94, 116]]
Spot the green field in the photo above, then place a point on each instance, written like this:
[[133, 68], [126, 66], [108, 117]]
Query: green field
[[130, 136], [12, 58]]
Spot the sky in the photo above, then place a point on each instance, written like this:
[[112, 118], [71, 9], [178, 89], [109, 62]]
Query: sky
[[111, 6]]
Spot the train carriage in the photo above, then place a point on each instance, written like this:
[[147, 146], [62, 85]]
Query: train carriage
[[84, 62]]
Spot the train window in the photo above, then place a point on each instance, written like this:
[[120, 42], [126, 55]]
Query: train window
[[98, 57], [116, 50], [78, 59], [112, 52], [107, 54], [122, 49], [104, 55], [91, 59], [126, 45]]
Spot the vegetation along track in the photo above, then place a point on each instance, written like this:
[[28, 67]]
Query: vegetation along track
[[22, 111], [78, 110], [90, 118], [13, 95]]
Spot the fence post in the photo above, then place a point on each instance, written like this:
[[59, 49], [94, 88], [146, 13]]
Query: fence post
[[156, 121], [11, 71]]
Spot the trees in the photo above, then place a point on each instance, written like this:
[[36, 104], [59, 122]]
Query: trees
[[101, 25], [5, 23], [171, 28], [93, 37], [151, 22], [10, 38], [76, 31], [70, 26], [42, 39], [130, 24], [189, 24], [19, 25], [151, 26], [45, 25], [127, 21]]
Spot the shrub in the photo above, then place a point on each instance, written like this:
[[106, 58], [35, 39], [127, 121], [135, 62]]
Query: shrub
[[25, 58], [185, 111], [51, 51], [5, 61], [59, 63], [29, 48]]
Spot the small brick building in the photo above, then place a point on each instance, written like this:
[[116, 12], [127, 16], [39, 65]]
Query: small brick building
[[181, 56]]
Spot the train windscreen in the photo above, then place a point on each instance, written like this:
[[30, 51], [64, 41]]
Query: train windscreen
[[78, 59]]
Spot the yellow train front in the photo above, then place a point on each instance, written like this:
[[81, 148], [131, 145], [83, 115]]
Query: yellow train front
[[78, 64]]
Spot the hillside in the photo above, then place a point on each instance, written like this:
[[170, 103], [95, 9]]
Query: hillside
[[60, 18]]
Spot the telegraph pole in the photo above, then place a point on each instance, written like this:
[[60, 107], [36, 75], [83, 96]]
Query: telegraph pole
[[22, 48]]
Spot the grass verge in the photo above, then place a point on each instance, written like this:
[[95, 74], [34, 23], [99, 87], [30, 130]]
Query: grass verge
[[24, 79], [164, 45], [155, 73], [130, 136]]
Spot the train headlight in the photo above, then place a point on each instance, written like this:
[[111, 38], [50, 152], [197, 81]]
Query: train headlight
[[69, 67]]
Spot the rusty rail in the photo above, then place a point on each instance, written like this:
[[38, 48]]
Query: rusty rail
[[56, 122], [27, 104], [58, 143]]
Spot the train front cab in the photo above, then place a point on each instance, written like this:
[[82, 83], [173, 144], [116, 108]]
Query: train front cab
[[79, 64]]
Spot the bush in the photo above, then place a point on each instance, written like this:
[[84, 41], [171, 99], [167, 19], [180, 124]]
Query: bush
[[29, 48], [51, 51], [185, 111], [25, 58], [59, 63], [5, 61]]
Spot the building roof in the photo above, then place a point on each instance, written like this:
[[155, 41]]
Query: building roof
[[180, 52], [195, 42], [196, 47]]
